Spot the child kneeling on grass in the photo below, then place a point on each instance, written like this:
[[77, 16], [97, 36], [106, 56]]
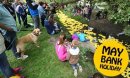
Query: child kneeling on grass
[[74, 57], [61, 48], [75, 36], [82, 37]]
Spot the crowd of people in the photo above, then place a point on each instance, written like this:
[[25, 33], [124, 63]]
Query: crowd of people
[[86, 12]]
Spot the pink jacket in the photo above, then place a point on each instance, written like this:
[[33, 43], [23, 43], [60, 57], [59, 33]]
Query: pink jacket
[[61, 52]]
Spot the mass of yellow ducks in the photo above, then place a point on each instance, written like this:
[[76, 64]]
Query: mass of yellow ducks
[[75, 26]]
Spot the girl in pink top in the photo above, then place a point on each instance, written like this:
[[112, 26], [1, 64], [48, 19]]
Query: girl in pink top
[[61, 50]]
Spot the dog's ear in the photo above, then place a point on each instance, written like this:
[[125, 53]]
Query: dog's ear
[[34, 30], [40, 32], [38, 29]]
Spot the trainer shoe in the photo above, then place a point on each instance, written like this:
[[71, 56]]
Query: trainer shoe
[[19, 58], [24, 57], [80, 68], [75, 73]]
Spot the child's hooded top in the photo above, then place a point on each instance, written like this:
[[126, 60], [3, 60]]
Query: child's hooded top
[[74, 53]]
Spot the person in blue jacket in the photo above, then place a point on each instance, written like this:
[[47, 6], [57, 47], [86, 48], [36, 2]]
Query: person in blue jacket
[[34, 13], [52, 26]]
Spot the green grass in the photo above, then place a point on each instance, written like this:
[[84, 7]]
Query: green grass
[[43, 62]]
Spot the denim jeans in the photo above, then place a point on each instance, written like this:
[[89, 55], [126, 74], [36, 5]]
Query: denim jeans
[[11, 37], [75, 66], [24, 19], [53, 32], [36, 21], [43, 17], [19, 19], [5, 67]]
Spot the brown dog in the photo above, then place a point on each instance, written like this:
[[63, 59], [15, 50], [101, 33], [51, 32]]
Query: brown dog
[[31, 37]]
